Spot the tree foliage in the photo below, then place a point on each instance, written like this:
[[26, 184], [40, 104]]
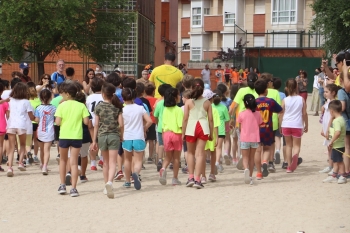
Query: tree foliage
[[43, 27], [332, 19]]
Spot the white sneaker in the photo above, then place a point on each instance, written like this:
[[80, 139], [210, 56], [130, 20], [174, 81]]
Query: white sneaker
[[251, 181], [330, 179], [342, 180], [105, 191], [325, 170], [246, 176], [175, 182], [203, 180], [330, 173], [109, 189], [240, 164]]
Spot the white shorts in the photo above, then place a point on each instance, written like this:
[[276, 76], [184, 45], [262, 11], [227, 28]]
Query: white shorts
[[84, 150]]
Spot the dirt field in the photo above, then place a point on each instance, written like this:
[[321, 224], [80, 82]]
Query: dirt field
[[279, 203]]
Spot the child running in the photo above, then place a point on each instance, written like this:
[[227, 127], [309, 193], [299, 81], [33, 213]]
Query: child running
[[108, 133], [336, 143], [20, 112], [294, 121], [69, 116], [134, 136], [249, 125], [330, 93], [171, 135], [197, 129], [45, 116]]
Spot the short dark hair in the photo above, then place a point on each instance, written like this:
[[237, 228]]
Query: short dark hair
[[277, 83], [162, 88], [129, 83], [187, 81], [335, 105], [6, 83], [114, 79], [140, 89], [96, 84], [170, 57], [260, 86], [180, 87], [14, 82], [149, 89], [70, 71]]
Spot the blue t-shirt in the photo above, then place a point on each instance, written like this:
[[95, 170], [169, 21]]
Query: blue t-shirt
[[344, 96], [267, 107], [58, 78], [227, 103], [118, 93], [282, 95]]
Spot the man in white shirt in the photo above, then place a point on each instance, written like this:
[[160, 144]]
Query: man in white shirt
[[206, 74]]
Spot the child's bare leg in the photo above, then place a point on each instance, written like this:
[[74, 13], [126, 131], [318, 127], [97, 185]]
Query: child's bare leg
[[46, 149], [227, 144], [105, 154], [219, 150], [74, 154], [137, 159], [212, 162], [246, 154], [63, 164], [127, 165], [257, 158], [200, 158], [176, 159], [289, 147], [251, 161], [11, 148], [168, 158], [191, 147]]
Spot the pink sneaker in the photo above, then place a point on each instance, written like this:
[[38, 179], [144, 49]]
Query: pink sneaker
[[93, 168], [100, 164], [289, 170], [294, 164]]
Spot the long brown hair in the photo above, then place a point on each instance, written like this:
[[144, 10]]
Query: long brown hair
[[291, 86], [20, 91]]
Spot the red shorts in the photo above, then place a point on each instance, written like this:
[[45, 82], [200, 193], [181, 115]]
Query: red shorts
[[172, 141], [198, 134], [294, 132]]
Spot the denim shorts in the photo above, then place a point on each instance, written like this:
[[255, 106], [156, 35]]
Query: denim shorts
[[66, 143], [134, 145], [248, 145]]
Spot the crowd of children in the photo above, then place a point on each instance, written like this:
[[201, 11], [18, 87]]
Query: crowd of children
[[244, 125]]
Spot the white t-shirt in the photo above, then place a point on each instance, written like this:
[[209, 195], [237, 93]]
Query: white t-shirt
[[46, 115], [293, 113], [91, 102], [6, 94], [18, 118], [316, 84], [133, 122]]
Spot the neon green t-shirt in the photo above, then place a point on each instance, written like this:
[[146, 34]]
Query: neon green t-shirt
[[35, 103], [71, 113], [224, 117], [240, 95], [174, 116], [158, 113], [338, 125], [210, 145], [275, 95], [56, 101]]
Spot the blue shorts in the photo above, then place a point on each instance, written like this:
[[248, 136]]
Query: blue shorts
[[248, 145], [66, 143], [134, 145], [160, 139]]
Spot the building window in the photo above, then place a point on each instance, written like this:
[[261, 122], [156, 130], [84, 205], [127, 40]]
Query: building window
[[229, 18], [196, 53], [206, 11], [284, 11], [196, 16]]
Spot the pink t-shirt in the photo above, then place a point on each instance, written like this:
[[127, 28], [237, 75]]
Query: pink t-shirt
[[4, 107], [250, 122]]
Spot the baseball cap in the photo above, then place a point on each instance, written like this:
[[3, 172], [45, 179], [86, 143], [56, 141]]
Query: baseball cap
[[23, 66], [208, 94]]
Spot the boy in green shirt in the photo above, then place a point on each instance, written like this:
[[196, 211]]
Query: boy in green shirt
[[337, 143]]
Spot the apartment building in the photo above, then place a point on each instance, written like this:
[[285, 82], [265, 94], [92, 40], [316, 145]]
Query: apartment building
[[206, 26]]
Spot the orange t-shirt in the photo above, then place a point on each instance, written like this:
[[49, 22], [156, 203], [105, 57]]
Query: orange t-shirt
[[220, 75], [245, 75], [234, 76], [152, 102]]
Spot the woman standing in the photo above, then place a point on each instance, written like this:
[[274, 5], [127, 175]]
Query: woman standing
[[302, 84], [46, 83], [90, 74], [315, 102]]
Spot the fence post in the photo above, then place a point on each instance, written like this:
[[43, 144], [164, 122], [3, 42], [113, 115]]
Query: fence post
[[273, 38], [309, 38], [288, 39]]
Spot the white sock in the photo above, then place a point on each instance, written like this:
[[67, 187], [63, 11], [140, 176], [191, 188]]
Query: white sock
[[93, 163], [101, 158], [278, 151], [79, 167], [216, 163], [35, 156]]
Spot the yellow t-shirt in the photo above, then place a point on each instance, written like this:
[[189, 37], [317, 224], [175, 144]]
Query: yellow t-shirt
[[216, 121], [275, 95], [240, 95], [71, 113], [165, 74], [172, 119], [337, 81]]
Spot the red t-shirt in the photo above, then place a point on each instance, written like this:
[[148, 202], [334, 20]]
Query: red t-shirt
[[152, 102]]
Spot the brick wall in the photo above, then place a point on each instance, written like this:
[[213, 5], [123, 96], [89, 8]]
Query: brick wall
[[213, 23]]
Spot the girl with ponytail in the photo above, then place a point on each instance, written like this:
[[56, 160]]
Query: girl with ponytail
[[197, 128]]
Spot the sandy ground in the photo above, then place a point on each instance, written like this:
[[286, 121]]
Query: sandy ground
[[280, 203]]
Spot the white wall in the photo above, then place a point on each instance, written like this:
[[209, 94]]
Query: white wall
[[186, 10], [228, 41]]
